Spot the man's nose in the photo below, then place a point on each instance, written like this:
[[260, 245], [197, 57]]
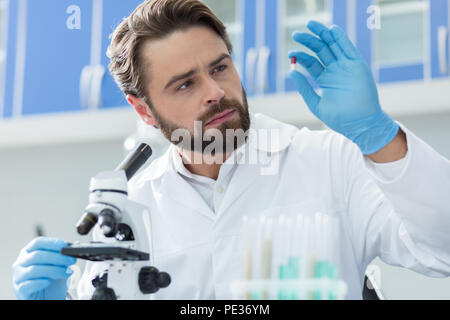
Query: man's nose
[[214, 93]]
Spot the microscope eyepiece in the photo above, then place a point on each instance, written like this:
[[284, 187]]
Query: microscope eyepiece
[[135, 160]]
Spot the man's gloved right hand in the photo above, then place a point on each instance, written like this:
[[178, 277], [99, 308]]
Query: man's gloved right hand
[[41, 271], [349, 102]]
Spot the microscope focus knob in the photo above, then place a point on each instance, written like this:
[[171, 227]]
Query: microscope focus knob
[[107, 223], [151, 280], [163, 280]]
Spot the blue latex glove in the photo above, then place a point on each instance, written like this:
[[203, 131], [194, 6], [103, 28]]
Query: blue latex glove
[[41, 271], [349, 103]]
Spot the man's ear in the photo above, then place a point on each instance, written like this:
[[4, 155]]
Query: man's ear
[[142, 109]]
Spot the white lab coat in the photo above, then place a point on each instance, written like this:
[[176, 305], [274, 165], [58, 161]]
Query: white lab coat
[[405, 221]]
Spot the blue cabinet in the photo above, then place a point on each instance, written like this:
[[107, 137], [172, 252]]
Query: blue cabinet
[[62, 69], [46, 45], [53, 62], [275, 22], [56, 55], [293, 15], [51, 51], [250, 52], [439, 38], [408, 42], [53, 68], [9, 12], [392, 35], [401, 40]]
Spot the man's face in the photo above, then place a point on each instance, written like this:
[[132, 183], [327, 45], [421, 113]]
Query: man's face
[[192, 78]]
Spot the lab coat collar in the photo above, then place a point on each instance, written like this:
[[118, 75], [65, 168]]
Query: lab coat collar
[[278, 136], [265, 135]]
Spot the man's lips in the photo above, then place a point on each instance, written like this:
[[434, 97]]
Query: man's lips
[[221, 117]]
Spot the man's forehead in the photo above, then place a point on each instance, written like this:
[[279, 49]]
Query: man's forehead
[[183, 50]]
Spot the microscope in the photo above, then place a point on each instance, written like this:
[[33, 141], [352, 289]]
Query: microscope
[[126, 227]]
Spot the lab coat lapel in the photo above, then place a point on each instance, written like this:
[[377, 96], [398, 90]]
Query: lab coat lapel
[[243, 177], [259, 154], [174, 187]]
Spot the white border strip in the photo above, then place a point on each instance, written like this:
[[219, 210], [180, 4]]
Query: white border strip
[[427, 42], [448, 40], [96, 29], [240, 20], [282, 45], [351, 20], [5, 7], [260, 24], [19, 73]]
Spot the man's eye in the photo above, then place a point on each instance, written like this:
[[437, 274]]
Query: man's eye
[[220, 69], [184, 85]]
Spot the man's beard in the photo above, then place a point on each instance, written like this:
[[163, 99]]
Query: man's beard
[[233, 132]]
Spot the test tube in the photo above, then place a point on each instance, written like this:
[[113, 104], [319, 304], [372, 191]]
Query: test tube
[[295, 254], [327, 252], [319, 254], [305, 251], [335, 252], [278, 254], [284, 263], [266, 262], [249, 230], [257, 255]]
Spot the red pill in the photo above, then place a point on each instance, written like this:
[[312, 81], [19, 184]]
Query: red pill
[[293, 63]]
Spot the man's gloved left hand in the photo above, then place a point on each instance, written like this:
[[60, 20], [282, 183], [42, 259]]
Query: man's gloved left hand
[[41, 271], [349, 103]]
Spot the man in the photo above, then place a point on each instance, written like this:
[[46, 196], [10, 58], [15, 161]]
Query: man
[[171, 58]]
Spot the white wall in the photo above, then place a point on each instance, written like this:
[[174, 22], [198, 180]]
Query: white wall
[[49, 186]]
